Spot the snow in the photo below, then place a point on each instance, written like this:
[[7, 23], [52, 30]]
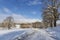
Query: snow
[[31, 34], [54, 32]]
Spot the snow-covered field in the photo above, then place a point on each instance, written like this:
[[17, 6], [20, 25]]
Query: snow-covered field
[[31, 34]]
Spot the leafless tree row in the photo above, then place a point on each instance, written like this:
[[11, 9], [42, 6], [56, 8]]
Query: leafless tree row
[[8, 22], [51, 13]]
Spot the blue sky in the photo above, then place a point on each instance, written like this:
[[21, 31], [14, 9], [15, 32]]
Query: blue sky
[[21, 9]]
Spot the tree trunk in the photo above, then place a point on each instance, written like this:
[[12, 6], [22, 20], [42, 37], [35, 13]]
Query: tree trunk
[[51, 23], [54, 23], [55, 17], [54, 12]]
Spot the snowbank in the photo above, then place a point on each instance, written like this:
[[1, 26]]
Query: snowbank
[[54, 32]]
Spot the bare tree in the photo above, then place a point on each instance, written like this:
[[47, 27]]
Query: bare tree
[[47, 17], [53, 6], [9, 22]]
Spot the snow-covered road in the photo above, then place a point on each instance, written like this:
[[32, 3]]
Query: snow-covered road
[[10, 35], [38, 35], [30, 34]]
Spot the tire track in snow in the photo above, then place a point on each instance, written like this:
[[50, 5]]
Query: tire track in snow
[[26, 35], [35, 35]]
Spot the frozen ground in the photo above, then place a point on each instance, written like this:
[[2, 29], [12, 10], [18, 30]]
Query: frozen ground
[[54, 32], [31, 34]]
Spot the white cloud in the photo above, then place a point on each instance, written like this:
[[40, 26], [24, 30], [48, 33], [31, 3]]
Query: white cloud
[[35, 2], [8, 11], [3, 16], [22, 19], [27, 20], [18, 18]]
